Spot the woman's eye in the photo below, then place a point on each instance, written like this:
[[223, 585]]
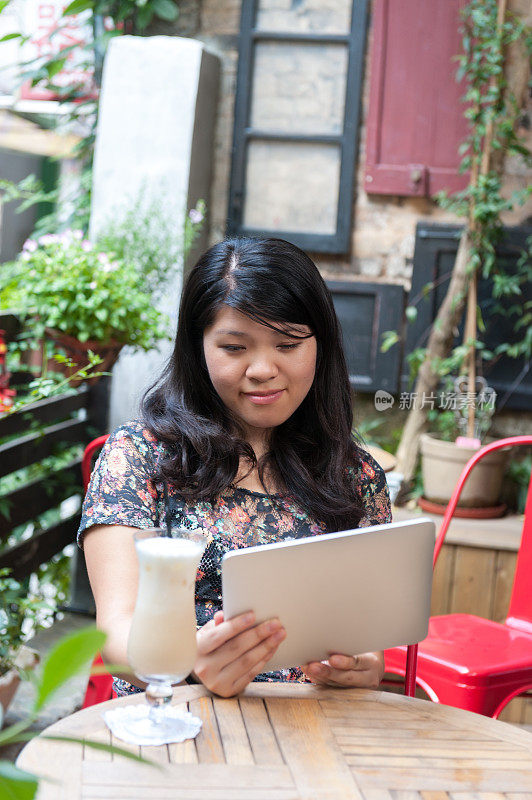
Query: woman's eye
[[289, 346], [231, 348]]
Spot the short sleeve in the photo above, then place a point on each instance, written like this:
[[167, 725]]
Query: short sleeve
[[121, 491], [373, 490]]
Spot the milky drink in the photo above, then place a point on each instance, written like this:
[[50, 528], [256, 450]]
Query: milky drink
[[162, 639]]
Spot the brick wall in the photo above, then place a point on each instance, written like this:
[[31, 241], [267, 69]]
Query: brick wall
[[383, 226]]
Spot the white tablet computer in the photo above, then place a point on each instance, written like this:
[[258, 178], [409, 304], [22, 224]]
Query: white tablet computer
[[350, 592]]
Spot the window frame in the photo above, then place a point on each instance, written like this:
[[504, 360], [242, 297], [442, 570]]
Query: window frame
[[347, 140]]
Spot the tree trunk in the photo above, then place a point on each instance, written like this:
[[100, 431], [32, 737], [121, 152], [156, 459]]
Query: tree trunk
[[516, 71], [440, 342]]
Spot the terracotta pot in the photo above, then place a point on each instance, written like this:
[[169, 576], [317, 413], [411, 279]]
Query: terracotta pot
[[442, 463], [8, 686], [78, 352], [26, 659]]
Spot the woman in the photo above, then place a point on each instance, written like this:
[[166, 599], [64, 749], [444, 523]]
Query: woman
[[247, 434]]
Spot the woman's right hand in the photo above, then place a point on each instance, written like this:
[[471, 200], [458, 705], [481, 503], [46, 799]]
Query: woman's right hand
[[232, 652]]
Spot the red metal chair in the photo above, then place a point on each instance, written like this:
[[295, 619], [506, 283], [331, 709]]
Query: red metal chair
[[100, 685], [470, 662]]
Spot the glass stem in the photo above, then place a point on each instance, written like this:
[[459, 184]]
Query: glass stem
[[158, 696]]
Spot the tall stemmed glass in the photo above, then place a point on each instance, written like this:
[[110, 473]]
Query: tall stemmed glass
[[162, 640]]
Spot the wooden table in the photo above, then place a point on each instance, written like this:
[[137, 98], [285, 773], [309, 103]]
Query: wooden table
[[284, 742]]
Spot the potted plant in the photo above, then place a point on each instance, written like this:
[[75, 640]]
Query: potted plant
[[82, 298], [21, 613], [447, 448]]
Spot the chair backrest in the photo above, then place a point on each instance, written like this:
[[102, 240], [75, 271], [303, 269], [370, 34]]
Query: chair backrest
[[86, 461], [520, 611]]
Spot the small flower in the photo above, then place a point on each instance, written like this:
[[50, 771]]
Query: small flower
[[77, 235], [107, 264], [195, 216], [86, 246], [116, 463], [49, 238], [30, 246], [92, 285]]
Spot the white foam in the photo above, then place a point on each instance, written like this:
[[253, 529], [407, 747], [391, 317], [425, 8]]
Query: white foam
[[164, 547]]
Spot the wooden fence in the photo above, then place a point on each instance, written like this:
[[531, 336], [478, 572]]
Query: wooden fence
[[28, 437]]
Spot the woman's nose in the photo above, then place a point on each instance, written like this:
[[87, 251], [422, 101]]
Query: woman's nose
[[262, 369]]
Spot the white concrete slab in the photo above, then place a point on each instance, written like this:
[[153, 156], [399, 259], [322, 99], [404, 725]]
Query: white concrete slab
[[158, 93]]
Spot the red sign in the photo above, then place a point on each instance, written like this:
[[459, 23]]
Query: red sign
[[50, 34]]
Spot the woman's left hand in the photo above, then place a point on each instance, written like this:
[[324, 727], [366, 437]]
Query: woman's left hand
[[363, 671]]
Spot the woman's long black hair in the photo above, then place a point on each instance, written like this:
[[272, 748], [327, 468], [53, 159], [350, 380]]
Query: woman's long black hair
[[272, 282]]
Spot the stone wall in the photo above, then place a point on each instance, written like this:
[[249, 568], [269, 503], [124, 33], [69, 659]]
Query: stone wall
[[383, 226]]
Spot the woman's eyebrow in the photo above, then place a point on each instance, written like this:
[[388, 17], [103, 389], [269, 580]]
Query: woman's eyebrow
[[296, 331]]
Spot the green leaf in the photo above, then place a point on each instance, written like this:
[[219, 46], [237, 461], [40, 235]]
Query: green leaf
[[65, 660], [77, 6], [9, 36], [54, 67], [12, 733], [15, 784], [165, 9], [144, 17], [389, 338]]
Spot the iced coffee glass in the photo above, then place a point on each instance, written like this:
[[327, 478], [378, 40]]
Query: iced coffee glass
[[162, 640]]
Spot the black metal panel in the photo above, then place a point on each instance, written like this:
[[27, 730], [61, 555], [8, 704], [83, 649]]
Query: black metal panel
[[26, 557], [49, 410], [339, 242], [32, 499], [34, 447], [434, 256], [366, 311], [10, 323], [29, 501]]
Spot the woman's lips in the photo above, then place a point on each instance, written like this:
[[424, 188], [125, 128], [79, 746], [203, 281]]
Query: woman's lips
[[264, 399]]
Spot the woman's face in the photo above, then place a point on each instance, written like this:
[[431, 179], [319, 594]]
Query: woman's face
[[261, 375]]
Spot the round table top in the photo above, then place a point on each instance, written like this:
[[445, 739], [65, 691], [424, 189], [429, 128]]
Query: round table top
[[281, 741]]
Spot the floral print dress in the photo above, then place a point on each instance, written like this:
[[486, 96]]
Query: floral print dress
[[122, 492]]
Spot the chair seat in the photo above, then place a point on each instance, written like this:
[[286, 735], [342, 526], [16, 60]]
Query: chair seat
[[472, 650]]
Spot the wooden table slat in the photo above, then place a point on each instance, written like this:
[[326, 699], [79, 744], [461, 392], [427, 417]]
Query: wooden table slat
[[208, 744], [236, 745], [203, 776], [434, 795], [159, 755], [381, 794], [478, 796], [435, 779], [308, 748], [430, 750], [261, 735], [176, 793], [457, 764], [183, 752], [102, 736]]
